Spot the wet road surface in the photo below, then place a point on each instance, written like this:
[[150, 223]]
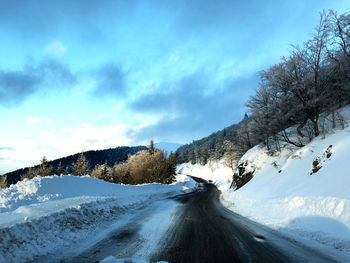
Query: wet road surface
[[205, 231], [201, 230]]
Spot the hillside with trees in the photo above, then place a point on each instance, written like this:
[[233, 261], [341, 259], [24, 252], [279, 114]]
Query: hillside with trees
[[294, 100], [69, 164], [127, 165], [146, 166]]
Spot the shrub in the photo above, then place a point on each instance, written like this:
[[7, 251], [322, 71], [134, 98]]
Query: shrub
[[103, 172]]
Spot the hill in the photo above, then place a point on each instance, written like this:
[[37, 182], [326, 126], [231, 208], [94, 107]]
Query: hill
[[211, 147], [98, 157]]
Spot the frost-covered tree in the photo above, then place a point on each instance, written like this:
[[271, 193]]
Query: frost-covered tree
[[294, 97], [103, 172], [121, 173]]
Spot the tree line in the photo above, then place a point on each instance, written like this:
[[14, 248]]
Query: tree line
[[146, 166], [305, 88], [65, 164], [295, 101]]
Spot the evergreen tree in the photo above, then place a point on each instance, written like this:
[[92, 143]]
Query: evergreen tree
[[44, 169], [82, 166], [32, 172], [151, 147], [171, 163], [106, 172], [59, 169], [66, 170]]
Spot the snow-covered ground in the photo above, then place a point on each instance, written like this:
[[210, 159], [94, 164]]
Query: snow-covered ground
[[51, 214], [288, 194]]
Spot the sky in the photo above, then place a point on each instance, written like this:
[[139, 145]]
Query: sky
[[81, 75]]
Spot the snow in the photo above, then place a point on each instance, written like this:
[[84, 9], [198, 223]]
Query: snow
[[155, 229], [216, 172], [285, 194], [48, 214], [285, 186]]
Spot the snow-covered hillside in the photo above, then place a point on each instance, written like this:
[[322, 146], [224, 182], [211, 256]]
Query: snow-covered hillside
[[50, 214], [304, 192]]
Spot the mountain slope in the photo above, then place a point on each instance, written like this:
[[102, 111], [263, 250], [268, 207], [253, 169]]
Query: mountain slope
[[210, 147], [302, 192]]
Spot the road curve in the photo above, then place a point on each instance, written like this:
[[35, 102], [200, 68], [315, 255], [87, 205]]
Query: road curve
[[205, 231]]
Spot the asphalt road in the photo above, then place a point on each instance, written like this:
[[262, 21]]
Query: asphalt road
[[201, 230], [205, 231]]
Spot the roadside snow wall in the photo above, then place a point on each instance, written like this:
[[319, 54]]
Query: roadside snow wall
[[54, 214]]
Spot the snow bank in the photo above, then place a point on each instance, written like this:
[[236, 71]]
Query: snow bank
[[49, 214], [289, 194], [216, 172]]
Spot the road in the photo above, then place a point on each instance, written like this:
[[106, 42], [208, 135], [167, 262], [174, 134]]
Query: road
[[205, 231], [201, 230]]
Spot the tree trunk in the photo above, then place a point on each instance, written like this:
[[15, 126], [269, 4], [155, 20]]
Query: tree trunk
[[300, 127], [316, 129]]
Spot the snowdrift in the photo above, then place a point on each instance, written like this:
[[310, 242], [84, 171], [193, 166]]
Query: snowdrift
[[287, 181], [49, 214]]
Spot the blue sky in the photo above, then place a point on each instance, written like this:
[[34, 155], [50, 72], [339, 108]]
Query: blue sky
[[80, 75]]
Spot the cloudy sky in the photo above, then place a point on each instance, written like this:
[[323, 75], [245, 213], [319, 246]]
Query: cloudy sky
[[79, 75]]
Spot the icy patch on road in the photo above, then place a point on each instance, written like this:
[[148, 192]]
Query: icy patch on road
[[154, 230]]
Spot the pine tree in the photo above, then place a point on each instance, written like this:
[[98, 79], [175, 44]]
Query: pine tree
[[151, 147], [59, 169], [32, 172], [45, 169], [171, 166], [66, 170], [106, 172], [81, 167]]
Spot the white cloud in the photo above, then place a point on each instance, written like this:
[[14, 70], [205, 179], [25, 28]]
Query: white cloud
[[89, 136], [29, 150], [37, 120], [55, 48]]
